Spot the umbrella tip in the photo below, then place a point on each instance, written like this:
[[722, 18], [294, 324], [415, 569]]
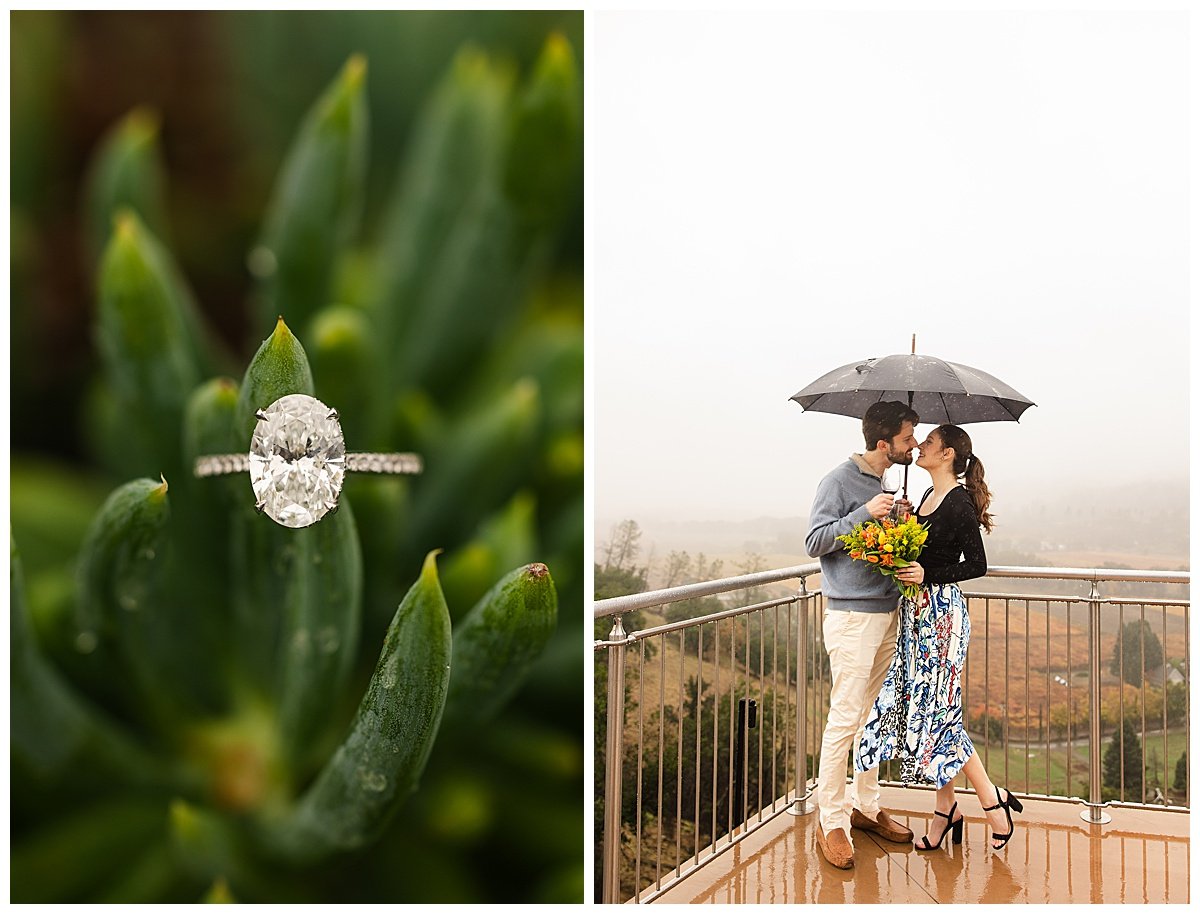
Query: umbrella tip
[[914, 344]]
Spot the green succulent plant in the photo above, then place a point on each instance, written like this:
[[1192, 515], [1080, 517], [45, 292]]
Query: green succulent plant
[[209, 706]]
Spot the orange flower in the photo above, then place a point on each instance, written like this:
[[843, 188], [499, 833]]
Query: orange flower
[[888, 560], [873, 559]]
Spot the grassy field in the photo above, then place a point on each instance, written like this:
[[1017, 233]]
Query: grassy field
[[1028, 772]]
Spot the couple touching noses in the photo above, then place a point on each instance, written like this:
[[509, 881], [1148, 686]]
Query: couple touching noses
[[896, 663]]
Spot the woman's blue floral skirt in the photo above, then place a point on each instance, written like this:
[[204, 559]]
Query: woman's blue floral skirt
[[918, 717]]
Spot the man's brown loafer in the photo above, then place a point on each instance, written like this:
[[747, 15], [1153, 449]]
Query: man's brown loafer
[[883, 825], [836, 848]]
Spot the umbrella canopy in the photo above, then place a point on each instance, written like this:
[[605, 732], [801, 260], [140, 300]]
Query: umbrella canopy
[[940, 392]]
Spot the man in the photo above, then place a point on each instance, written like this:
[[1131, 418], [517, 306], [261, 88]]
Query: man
[[859, 627]]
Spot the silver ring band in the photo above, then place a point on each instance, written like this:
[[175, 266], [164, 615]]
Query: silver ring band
[[229, 464]]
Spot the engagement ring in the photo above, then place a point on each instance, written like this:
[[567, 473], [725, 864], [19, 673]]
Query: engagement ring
[[298, 459]]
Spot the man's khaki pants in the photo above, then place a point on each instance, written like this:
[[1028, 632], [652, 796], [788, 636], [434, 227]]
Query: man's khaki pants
[[860, 647]]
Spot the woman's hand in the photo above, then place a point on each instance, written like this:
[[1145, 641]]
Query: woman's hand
[[912, 573]]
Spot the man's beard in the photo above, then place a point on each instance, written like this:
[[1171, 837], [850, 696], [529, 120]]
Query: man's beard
[[900, 457]]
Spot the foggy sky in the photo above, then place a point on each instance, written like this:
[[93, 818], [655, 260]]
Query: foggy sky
[[772, 196]]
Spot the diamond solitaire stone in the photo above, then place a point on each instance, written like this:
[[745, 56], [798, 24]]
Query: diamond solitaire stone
[[297, 460]]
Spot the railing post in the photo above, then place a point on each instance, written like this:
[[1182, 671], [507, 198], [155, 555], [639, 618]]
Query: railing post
[[614, 730], [1094, 813], [799, 806]]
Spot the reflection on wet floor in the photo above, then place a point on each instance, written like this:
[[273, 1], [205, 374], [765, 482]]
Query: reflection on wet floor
[[1141, 857]]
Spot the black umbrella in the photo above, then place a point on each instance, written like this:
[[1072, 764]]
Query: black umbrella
[[940, 392]]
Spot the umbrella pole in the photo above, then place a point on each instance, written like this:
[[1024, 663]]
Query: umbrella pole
[[904, 493]]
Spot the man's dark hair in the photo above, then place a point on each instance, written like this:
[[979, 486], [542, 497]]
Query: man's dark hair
[[883, 420]]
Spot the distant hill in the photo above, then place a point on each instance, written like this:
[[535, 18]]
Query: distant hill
[[1116, 526]]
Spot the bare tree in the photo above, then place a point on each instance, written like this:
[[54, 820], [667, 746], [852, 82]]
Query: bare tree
[[706, 571], [623, 546], [752, 563], [679, 565]]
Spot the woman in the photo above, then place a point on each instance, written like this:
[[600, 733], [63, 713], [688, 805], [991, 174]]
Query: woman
[[918, 714]]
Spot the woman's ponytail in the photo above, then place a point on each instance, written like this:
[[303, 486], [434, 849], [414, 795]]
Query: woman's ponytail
[[979, 491]]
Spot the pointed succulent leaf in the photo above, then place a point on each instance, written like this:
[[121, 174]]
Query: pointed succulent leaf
[[487, 452], [381, 508], [264, 554], [208, 422], [457, 145], [506, 539], [52, 728], [280, 367], [548, 346], [196, 591], [380, 761], [208, 428], [322, 612], [118, 561], [498, 641], [542, 167], [120, 611], [344, 350], [315, 205], [133, 611], [126, 172], [297, 593], [476, 285], [470, 298], [145, 343]]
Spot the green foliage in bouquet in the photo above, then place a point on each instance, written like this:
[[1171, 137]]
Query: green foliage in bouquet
[[208, 706], [887, 546]]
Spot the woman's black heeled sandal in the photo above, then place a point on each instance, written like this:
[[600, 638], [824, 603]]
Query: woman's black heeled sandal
[[955, 825], [1010, 803]]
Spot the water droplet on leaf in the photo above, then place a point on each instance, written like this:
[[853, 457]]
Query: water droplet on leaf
[[372, 780]]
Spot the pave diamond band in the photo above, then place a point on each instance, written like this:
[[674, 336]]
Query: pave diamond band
[[221, 465], [298, 461], [384, 463], [230, 464]]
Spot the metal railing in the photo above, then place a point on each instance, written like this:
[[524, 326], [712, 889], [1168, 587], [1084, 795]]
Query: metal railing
[[715, 709]]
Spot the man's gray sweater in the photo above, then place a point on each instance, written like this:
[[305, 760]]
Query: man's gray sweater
[[840, 504]]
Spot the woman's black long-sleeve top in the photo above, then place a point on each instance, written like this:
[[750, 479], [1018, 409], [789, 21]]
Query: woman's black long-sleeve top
[[954, 550]]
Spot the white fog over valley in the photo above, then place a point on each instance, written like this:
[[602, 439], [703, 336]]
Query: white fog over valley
[[776, 195]]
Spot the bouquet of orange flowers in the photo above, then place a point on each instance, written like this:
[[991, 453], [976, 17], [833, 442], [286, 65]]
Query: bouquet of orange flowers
[[888, 546]]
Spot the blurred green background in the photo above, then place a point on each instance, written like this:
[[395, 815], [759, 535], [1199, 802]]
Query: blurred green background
[[477, 363]]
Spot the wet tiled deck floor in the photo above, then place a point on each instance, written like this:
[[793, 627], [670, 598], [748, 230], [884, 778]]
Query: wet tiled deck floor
[[1141, 857]]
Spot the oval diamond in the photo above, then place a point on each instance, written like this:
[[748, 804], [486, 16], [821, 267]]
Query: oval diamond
[[297, 460]]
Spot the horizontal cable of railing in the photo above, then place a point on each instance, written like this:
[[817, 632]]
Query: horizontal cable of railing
[[650, 598], [645, 633], [636, 601]]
